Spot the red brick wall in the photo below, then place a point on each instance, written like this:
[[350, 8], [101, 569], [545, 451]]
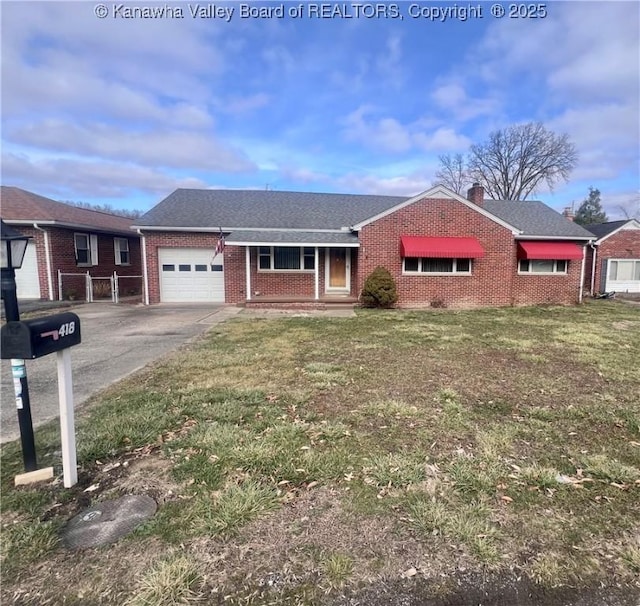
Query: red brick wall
[[274, 283], [530, 289], [61, 245], [623, 245], [588, 264], [61, 242], [267, 283], [494, 280], [492, 275]]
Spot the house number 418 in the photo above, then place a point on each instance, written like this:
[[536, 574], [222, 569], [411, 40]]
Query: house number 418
[[67, 329]]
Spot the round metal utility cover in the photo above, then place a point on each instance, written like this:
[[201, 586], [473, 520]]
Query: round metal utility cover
[[106, 522]]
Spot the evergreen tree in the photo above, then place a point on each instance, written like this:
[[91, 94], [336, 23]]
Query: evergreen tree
[[591, 211]]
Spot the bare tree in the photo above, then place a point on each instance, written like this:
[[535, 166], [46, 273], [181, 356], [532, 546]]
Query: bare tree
[[452, 172], [107, 208], [630, 209], [515, 160]]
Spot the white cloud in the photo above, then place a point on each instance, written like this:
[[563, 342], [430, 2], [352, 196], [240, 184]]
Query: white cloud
[[442, 140], [73, 179], [389, 62], [404, 185], [303, 175], [389, 135], [168, 148], [242, 105], [459, 107], [606, 136]]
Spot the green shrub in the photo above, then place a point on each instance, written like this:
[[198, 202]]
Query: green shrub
[[379, 289]]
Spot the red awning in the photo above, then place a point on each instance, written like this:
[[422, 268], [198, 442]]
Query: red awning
[[549, 250], [447, 248]]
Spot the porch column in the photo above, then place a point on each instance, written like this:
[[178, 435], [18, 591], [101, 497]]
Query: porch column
[[247, 270], [316, 274]]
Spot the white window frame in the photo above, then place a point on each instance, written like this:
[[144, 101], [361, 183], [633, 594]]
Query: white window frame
[[272, 267], [635, 268], [92, 249], [553, 272], [453, 272], [118, 249]]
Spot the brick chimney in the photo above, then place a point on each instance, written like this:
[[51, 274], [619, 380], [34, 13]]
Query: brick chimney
[[476, 194], [568, 213]]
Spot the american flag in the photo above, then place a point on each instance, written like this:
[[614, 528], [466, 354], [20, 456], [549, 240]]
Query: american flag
[[220, 245]]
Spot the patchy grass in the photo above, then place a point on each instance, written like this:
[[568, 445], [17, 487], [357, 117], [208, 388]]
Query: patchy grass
[[169, 582], [298, 457]]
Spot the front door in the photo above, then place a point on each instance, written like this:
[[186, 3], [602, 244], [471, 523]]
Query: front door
[[338, 270]]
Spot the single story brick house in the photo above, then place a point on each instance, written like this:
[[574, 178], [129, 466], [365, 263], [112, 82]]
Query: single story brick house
[[613, 259], [311, 248], [71, 240]]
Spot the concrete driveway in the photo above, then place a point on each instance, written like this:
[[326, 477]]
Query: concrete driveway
[[116, 341]]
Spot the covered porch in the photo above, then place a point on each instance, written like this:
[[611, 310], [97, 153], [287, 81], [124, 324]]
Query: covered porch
[[298, 268]]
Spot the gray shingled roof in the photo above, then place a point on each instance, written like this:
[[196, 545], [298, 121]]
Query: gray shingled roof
[[534, 218], [256, 209], [604, 229], [292, 237], [244, 210]]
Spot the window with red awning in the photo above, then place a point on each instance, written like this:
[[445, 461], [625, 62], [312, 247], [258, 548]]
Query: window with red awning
[[443, 248], [549, 250]]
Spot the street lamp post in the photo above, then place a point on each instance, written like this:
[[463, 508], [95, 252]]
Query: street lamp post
[[14, 246]]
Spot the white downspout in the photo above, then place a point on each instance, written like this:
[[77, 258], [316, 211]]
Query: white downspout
[[145, 273], [594, 248], [248, 271], [582, 266], [316, 276], [47, 257]]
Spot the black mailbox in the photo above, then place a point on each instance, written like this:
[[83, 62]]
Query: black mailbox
[[40, 337]]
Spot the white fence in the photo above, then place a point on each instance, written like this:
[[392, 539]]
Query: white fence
[[73, 286]]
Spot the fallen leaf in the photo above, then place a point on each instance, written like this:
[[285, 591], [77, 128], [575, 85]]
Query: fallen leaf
[[506, 498], [92, 488]]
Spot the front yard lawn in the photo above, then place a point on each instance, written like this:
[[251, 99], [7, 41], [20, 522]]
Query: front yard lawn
[[308, 460]]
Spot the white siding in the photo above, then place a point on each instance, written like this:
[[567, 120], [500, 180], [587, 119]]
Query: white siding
[[27, 282], [623, 275]]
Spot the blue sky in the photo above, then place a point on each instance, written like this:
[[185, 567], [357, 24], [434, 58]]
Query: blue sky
[[124, 110]]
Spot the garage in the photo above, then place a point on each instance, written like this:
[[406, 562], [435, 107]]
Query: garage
[[27, 281], [623, 275], [191, 275]]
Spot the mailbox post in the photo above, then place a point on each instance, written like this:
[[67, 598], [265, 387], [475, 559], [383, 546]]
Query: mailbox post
[[12, 251], [40, 337]]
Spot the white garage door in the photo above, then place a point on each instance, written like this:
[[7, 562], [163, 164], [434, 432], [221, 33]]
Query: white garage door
[[623, 275], [190, 275], [27, 282]]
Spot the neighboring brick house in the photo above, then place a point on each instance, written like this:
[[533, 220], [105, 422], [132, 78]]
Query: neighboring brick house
[[613, 260], [312, 249], [71, 240]]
